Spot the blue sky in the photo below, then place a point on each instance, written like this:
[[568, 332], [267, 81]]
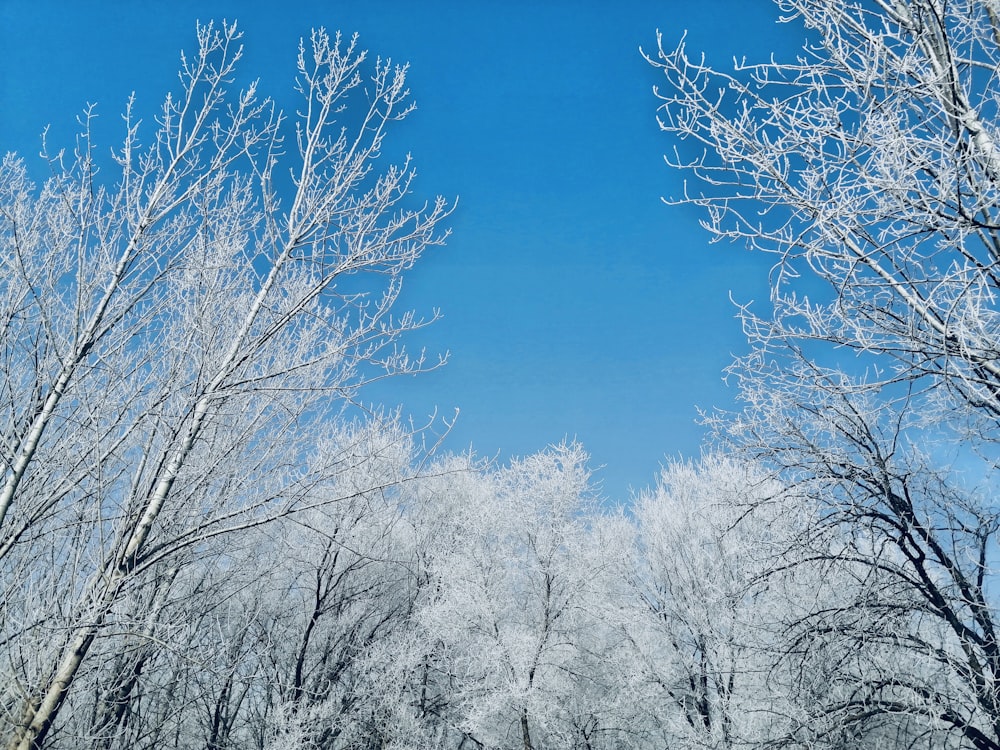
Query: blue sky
[[575, 302]]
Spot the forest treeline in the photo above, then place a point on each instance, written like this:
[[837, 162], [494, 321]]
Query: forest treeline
[[208, 541], [503, 608]]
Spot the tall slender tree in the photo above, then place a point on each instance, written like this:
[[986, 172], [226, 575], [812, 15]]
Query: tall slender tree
[[182, 340]]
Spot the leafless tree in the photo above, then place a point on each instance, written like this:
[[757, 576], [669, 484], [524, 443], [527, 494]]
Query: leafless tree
[[182, 339], [870, 167]]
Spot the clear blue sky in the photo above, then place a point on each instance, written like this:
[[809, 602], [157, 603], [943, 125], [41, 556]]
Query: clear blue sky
[[575, 303]]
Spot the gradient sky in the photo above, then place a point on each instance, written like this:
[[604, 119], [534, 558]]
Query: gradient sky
[[575, 302]]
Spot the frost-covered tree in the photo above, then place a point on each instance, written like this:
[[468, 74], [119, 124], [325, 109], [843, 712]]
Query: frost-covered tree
[[700, 617], [869, 167], [184, 328], [508, 603]]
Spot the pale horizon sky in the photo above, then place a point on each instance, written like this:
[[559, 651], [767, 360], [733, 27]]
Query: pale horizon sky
[[574, 302]]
